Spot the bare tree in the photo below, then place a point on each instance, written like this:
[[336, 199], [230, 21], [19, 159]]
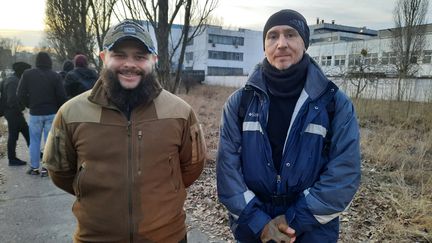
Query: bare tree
[[5, 55], [409, 37], [101, 12], [199, 16], [9, 47], [100, 15], [68, 29], [363, 71], [161, 15]]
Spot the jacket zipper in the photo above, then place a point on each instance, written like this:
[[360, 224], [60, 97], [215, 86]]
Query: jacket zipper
[[130, 178], [278, 177], [265, 135], [139, 151], [278, 184]]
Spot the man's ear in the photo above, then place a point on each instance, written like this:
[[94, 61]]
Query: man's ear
[[102, 56]]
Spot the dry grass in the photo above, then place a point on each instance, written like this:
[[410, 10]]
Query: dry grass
[[397, 154], [208, 102]]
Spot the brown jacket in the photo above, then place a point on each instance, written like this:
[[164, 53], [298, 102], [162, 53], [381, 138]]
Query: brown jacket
[[129, 177]]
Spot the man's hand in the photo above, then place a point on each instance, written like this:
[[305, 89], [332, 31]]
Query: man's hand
[[277, 230]]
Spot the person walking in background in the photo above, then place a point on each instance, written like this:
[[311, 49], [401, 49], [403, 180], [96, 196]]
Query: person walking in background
[[41, 90], [81, 78], [288, 162], [126, 149], [67, 67], [14, 113]]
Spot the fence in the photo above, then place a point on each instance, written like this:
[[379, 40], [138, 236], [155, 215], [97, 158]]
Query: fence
[[386, 88]]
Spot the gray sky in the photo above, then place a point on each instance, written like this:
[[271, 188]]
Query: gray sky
[[250, 14], [375, 14]]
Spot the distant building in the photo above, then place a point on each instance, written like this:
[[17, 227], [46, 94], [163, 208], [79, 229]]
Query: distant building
[[338, 47], [222, 52], [228, 56], [218, 51], [323, 32]]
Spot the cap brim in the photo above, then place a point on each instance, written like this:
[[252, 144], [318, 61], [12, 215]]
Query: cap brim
[[131, 37]]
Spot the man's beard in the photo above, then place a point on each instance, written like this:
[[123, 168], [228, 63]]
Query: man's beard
[[126, 99]]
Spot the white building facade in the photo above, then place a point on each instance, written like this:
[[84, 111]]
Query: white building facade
[[222, 52], [336, 55], [229, 56]]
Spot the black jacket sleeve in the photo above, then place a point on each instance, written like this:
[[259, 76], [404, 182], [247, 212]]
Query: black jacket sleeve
[[22, 91], [12, 99]]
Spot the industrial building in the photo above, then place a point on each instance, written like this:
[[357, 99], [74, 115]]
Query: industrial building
[[227, 56]]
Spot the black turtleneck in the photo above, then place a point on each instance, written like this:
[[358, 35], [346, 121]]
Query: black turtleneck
[[284, 88]]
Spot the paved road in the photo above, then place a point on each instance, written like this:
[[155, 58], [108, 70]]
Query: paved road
[[33, 210]]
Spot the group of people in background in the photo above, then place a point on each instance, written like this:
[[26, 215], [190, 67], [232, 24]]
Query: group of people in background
[[42, 91]]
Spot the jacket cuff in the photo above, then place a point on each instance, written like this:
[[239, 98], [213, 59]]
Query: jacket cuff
[[300, 218], [251, 221]]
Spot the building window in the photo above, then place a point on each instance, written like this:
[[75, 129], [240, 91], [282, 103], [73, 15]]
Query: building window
[[226, 40], [371, 59], [385, 58], [339, 60], [388, 58], [224, 71], [427, 56], [414, 58], [224, 55], [316, 59], [354, 60], [326, 60], [189, 56]]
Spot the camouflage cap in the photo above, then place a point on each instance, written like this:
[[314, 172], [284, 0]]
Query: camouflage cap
[[125, 30]]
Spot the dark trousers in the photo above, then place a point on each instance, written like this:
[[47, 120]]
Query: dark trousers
[[16, 125]]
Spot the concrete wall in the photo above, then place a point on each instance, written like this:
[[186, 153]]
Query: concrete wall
[[412, 89], [229, 81]]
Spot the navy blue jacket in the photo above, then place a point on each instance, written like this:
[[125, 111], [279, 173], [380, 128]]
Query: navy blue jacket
[[316, 184]]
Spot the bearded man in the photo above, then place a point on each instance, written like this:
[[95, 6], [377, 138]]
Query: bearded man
[[126, 149]]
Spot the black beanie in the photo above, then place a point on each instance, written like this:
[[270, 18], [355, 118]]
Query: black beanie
[[20, 67], [291, 18]]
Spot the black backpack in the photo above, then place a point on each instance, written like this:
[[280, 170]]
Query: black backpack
[[80, 84], [247, 95]]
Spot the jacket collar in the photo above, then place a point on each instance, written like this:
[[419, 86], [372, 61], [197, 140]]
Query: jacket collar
[[99, 96], [315, 86]]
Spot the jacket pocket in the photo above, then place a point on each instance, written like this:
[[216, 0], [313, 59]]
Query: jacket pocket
[[175, 179], [79, 181], [198, 143], [55, 151]]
